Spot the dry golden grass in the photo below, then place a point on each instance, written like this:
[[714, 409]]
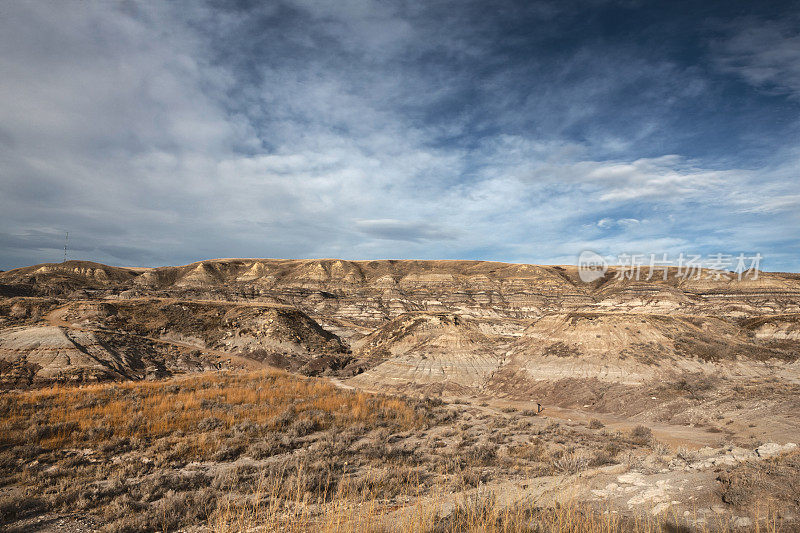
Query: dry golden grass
[[118, 450], [150, 410]]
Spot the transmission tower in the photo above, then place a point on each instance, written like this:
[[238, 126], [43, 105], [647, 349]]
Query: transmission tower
[[66, 241]]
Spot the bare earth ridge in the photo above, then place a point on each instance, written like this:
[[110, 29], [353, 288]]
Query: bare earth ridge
[[461, 325]]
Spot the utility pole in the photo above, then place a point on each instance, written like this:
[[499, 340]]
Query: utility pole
[[66, 240]]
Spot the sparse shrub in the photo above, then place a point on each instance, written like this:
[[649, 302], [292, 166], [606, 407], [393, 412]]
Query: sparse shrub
[[498, 423], [695, 385], [641, 435], [601, 458], [170, 512], [497, 438], [611, 448], [522, 425], [117, 445], [100, 434], [303, 427], [209, 423], [267, 447], [571, 463], [443, 416], [552, 426], [468, 478], [382, 483], [684, 454], [285, 418], [594, 423], [228, 452], [534, 451], [482, 454], [26, 452], [660, 449]]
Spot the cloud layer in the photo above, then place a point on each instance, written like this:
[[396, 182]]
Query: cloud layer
[[163, 133]]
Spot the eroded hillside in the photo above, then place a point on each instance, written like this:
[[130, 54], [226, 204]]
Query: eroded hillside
[[465, 327]]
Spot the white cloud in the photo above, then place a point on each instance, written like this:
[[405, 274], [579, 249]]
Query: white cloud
[[605, 223], [126, 129], [765, 54], [403, 230]]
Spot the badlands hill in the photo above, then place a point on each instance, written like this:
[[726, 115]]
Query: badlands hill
[[433, 327]]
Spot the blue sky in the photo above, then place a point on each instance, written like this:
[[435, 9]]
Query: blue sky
[[164, 133]]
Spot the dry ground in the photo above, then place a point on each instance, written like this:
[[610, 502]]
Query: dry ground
[[269, 450]]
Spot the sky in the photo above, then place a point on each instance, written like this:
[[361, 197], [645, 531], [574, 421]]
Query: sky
[[162, 133]]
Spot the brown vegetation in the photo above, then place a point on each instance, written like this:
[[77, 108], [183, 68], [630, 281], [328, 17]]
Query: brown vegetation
[[279, 452]]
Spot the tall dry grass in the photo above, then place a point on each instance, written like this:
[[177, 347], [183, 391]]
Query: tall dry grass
[[475, 512], [359, 508], [272, 400]]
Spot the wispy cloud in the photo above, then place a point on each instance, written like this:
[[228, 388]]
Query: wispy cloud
[[169, 132], [403, 230], [766, 54]]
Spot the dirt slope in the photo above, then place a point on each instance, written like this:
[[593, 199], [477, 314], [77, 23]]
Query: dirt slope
[[429, 352], [634, 348], [91, 340]]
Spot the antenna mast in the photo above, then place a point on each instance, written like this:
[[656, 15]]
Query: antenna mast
[[66, 240]]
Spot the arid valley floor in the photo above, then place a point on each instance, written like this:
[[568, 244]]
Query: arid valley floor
[[328, 395]]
